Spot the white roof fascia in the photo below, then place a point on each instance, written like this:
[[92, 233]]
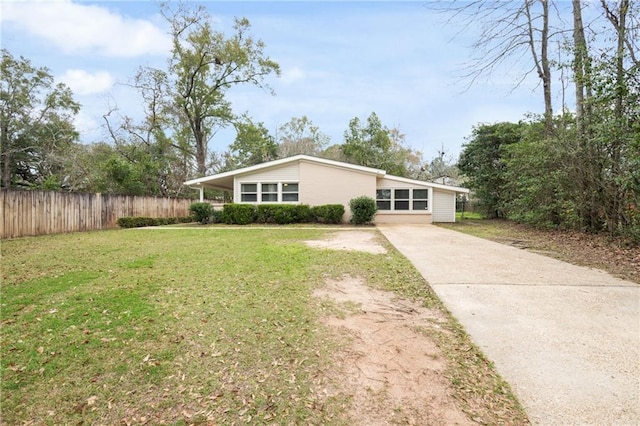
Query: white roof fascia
[[428, 184], [282, 161], [200, 180]]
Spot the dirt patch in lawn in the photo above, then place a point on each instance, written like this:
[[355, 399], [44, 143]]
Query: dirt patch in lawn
[[350, 240], [392, 371], [401, 362]]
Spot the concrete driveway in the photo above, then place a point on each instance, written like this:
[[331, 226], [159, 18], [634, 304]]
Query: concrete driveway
[[565, 337]]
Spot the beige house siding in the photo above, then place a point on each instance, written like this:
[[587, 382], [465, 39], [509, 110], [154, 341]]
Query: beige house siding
[[384, 183], [287, 173], [444, 206], [321, 184], [402, 218]]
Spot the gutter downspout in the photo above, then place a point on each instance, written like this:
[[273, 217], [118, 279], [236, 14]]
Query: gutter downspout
[[201, 189]]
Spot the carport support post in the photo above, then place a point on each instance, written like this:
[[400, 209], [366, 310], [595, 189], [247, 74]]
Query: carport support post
[[201, 188]]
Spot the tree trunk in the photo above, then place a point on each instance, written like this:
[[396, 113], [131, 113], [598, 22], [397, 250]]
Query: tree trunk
[[541, 60], [6, 158], [580, 51], [546, 70], [585, 165], [201, 147], [616, 193]]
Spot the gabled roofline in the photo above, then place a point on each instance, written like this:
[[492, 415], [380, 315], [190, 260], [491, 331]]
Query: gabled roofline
[[456, 189], [281, 161]]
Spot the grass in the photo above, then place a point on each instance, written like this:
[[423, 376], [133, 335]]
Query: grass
[[600, 251], [188, 326], [468, 215]]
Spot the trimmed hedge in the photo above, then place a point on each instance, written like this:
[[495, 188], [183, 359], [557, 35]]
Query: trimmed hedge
[[328, 213], [139, 222], [283, 213], [239, 214], [217, 216]]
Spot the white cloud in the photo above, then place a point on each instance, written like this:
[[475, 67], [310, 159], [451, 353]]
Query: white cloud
[[75, 27], [293, 75], [82, 82]]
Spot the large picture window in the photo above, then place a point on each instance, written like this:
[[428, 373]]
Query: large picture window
[[269, 192], [402, 199]]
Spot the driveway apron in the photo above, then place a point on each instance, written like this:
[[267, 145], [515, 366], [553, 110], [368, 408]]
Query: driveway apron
[[565, 337]]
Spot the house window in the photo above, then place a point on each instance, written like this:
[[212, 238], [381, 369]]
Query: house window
[[383, 199], [420, 199], [401, 199], [289, 192], [249, 192], [269, 192]]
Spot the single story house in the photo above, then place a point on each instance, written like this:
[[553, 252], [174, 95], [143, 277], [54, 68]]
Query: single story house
[[316, 181]]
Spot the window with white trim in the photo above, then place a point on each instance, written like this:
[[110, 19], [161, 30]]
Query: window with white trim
[[402, 199], [269, 192], [420, 199], [249, 192], [290, 192], [383, 199]]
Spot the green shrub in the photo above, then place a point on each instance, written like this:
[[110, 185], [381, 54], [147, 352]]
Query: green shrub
[[302, 213], [363, 209], [265, 213], [239, 214], [283, 213], [328, 213], [201, 212], [136, 222], [217, 216]]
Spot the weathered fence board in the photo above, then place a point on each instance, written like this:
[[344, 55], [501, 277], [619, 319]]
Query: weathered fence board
[[30, 213]]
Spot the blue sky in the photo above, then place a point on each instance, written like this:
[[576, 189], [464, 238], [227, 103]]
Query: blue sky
[[339, 60]]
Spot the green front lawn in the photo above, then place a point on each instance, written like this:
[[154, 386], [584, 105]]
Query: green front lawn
[[178, 326]]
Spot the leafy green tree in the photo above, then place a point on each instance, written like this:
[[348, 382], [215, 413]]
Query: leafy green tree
[[36, 123], [373, 145], [300, 136], [253, 144], [538, 188], [366, 144], [481, 161], [204, 65], [146, 160]]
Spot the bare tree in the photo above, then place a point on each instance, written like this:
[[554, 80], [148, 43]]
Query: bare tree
[[300, 136], [509, 31]]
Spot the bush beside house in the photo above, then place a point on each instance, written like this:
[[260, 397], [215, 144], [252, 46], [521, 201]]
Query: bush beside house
[[363, 209]]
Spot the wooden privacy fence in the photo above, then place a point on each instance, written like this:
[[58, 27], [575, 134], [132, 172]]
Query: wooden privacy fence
[[28, 213]]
